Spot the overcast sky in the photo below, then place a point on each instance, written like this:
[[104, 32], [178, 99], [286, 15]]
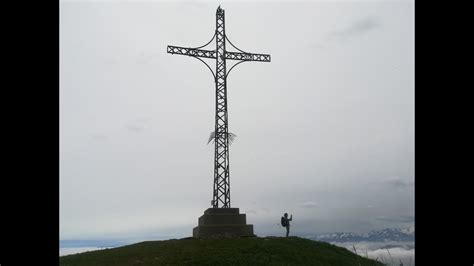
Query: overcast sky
[[325, 131]]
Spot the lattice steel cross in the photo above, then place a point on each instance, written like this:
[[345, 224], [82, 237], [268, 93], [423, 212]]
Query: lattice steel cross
[[221, 191]]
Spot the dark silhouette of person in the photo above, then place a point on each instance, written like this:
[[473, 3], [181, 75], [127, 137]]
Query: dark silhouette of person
[[286, 222]]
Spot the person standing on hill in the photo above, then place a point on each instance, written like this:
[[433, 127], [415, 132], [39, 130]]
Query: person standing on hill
[[285, 222]]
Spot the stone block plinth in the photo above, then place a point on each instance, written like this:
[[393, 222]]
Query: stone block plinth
[[222, 222]]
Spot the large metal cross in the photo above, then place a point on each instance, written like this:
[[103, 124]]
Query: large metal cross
[[221, 135]]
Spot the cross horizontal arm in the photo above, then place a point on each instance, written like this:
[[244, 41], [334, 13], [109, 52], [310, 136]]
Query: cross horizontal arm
[[247, 56], [191, 52]]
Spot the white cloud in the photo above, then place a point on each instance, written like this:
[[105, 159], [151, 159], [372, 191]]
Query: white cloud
[[400, 251], [358, 27], [393, 256], [76, 250], [309, 204]]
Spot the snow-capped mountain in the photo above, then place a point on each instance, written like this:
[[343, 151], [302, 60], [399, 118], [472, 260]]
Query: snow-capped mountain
[[385, 235]]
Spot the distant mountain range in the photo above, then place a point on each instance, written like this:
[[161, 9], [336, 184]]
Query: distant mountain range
[[385, 235]]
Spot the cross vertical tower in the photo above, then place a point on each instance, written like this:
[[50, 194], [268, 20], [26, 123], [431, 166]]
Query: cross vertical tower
[[221, 189]]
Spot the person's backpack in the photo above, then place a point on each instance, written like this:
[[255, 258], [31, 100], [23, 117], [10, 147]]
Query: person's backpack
[[283, 221]]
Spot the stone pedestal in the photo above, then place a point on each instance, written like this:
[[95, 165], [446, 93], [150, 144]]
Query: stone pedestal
[[222, 222]]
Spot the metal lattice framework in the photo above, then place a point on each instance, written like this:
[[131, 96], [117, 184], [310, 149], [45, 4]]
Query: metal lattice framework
[[221, 190]]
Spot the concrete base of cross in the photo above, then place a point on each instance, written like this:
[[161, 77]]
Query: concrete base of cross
[[222, 222]]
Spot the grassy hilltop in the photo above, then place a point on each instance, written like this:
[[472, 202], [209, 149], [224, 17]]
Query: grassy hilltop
[[222, 251]]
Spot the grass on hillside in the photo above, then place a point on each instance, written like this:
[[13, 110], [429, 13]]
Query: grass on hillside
[[222, 251]]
